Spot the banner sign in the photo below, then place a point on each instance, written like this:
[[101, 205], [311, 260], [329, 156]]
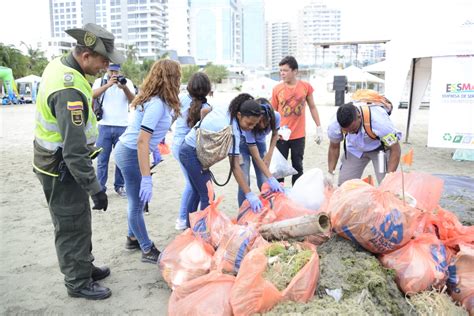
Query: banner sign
[[451, 122]]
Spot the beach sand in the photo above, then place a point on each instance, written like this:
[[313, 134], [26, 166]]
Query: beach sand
[[31, 282]]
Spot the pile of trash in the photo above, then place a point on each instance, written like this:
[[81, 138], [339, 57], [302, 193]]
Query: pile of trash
[[392, 251]]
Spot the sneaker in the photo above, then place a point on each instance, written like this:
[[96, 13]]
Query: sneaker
[[121, 191], [180, 224], [131, 244], [152, 255]]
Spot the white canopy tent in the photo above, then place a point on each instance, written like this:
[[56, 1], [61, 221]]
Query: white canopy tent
[[377, 68], [412, 55], [259, 88], [29, 79]]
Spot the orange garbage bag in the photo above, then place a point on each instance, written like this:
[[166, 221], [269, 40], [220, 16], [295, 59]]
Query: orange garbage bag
[[252, 294], [164, 148], [276, 207], [375, 219], [461, 277], [264, 216], [449, 229], [207, 295], [210, 224], [419, 265], [236, 243], [425, 188], [184, 259]]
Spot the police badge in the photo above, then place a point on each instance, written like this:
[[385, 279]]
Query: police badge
[[89, 39]]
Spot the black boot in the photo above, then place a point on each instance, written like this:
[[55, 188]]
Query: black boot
[[91, 292], [99, 273]]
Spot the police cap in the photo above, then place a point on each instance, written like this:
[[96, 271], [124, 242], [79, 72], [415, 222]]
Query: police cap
[[97, 39]]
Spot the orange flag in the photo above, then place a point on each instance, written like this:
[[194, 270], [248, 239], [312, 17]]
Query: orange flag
[[407, 159]]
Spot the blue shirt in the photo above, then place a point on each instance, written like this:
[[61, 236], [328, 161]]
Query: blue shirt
[[181, 128], [253, 138], [359, 143], [215, 121], [155, 118]]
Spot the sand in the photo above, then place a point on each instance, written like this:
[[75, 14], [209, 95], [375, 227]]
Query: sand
[[31, 282]]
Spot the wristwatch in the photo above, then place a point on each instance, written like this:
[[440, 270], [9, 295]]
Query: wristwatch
[[332, 172]]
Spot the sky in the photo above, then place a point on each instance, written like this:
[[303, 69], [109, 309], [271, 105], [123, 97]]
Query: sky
[[363, 19]]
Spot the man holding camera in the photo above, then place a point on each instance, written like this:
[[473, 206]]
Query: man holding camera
[[112, 93]]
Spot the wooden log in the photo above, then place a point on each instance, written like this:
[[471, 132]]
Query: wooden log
[[315, 224]]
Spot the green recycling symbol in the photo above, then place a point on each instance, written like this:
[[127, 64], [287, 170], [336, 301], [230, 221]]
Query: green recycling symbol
[[447, 137]]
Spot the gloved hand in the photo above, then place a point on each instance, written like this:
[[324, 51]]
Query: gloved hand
[[275, 186], [156, 156], [319, 135], [100, 201], [329, 179], [146, 187], [254, 201]]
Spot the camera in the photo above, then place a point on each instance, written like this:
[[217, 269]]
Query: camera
[[122, 80]]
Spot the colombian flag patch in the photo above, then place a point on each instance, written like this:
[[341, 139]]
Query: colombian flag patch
[[75, 105]]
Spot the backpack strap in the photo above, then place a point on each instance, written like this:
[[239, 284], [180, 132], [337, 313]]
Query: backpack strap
[[367, 121]]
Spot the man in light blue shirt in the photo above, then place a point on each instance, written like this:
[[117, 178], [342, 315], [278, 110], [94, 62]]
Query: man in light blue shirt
[[359, 147]]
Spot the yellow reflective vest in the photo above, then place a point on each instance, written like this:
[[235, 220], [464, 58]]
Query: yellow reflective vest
[[56, 77]]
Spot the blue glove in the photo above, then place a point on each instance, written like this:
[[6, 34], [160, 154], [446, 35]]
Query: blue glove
[[146, 187], [275, 186], [254, 201], [156, 156]]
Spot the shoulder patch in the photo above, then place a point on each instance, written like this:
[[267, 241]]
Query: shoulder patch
[[77, 117], [68, 79], [75, 105], [389, 139]]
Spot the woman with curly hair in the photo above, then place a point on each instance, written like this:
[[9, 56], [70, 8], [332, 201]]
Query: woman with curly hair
[[244, 114], [194, 107], [155, 106]]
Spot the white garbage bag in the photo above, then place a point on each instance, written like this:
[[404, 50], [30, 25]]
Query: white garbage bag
[[308, 190], [280, 167]]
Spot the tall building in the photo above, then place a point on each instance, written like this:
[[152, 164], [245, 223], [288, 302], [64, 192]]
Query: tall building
[[280, 42], [66, 14], [318, 23], [141, 23], [179, 31], [253, 33], [216, 31]]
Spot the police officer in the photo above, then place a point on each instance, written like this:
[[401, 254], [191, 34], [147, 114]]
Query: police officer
[[65, 133], [359, 148]]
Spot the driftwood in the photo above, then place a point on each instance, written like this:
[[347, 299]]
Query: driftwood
[[315, 224]]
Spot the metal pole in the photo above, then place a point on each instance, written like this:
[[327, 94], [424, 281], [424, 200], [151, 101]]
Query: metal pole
[[412, 84]]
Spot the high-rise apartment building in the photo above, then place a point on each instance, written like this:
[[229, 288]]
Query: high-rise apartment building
[[216, 31], [280, 42], [141, 23], [179, 31], [318, 23], [253, 33]]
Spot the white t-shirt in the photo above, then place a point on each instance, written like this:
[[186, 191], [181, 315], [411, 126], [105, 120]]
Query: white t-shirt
[[115, 105]]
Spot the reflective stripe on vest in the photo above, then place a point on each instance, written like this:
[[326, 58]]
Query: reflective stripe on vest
[[47, 133]]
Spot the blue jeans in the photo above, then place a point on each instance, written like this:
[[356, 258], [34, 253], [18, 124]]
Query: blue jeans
[[127, 161], [245, 166], [188, 193], [107, 139], [197, 177]]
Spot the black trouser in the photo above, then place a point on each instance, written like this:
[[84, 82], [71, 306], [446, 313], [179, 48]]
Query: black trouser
[[71, 216], [297, 152]]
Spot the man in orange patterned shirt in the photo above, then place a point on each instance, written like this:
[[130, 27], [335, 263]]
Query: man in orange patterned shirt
[[289, 98]]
